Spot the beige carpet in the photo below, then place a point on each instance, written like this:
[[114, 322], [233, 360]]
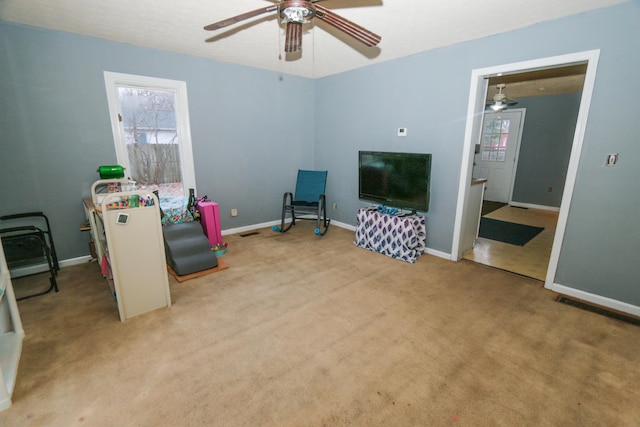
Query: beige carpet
[[304, 330]]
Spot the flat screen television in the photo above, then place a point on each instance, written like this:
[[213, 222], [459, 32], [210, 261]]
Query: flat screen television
[[399, 180]]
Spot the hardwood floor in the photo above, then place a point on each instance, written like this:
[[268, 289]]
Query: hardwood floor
[[530, 260]]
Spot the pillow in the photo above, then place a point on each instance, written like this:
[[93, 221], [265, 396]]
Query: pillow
[[175, 210]]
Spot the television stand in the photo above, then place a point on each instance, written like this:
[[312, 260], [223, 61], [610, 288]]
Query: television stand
[[400, 237]]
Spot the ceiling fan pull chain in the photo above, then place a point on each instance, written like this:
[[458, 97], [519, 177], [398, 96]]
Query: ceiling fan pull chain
[[279, 42], [313, 42]]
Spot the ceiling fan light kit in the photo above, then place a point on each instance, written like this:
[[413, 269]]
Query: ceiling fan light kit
[[500, 100], [294, 13]]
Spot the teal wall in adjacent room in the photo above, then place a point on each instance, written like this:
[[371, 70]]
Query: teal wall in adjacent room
[[252, 129], [547, 138]]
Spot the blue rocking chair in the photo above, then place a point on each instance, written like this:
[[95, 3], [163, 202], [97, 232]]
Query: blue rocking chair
[[309, 200]]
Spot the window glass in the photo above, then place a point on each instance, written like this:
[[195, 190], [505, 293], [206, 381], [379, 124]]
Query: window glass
[[150, 123], [495, 140]]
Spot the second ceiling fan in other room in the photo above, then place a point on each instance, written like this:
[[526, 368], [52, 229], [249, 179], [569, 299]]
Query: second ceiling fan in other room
[[294, 13], [500, 100]]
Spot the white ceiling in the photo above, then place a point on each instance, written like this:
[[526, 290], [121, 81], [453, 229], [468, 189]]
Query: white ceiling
[[407, 27]]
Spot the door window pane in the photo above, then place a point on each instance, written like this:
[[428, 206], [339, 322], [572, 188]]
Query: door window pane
[[495, 140]]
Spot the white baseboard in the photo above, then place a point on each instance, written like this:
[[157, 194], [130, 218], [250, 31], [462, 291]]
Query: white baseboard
[[532, 206], [75, 261], [333, 222], [41, 268], [277, 222], [252, 227], [595, 299], [439, 254], [28, 270], [343, 225]]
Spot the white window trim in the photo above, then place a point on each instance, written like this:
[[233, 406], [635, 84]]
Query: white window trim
[[113, 80]]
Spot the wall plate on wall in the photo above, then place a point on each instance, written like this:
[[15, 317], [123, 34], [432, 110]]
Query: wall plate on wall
[[612, 159], [402, 131]]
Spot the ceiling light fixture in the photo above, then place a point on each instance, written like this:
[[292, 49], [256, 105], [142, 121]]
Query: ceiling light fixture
[[299, 14], [500, 100]]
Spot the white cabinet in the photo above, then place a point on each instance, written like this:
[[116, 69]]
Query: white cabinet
[[11, 335], [130, 247]]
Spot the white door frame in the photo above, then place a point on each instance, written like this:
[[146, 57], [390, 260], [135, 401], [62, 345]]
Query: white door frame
[[113, 80], [477, 95], [517, 155]]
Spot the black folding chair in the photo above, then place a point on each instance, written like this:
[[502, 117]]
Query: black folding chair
[[29, 243], [309, 199]]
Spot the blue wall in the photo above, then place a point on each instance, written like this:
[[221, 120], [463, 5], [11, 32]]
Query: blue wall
[[547, 138], [250, 128], [251, 131], [428, 93], [363, 109]]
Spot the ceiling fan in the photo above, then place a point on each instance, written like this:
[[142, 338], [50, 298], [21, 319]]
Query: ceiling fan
[[294, 13], [500, 100]]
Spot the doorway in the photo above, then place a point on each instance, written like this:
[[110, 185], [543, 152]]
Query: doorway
[[475, 112]]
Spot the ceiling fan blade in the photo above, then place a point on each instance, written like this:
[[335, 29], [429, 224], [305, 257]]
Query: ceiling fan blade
[[354, 30], [293, 37], [241, 17]]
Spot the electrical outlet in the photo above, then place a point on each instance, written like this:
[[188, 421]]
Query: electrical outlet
[[612, 159], [234, 212], [335, 206]]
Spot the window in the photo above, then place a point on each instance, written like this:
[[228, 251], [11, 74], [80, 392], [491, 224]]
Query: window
[[151, 131], [494, 139]]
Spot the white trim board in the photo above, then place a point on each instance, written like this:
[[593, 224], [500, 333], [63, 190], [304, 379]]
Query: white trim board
[[532, 206], [42, 268], [596, 299]]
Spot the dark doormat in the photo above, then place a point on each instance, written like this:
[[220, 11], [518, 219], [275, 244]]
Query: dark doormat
[[507, 232]]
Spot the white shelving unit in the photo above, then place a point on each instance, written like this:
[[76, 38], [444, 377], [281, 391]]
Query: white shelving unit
[[130, 248], [11, 335]]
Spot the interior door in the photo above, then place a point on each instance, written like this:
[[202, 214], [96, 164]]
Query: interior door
[[495, 160]]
